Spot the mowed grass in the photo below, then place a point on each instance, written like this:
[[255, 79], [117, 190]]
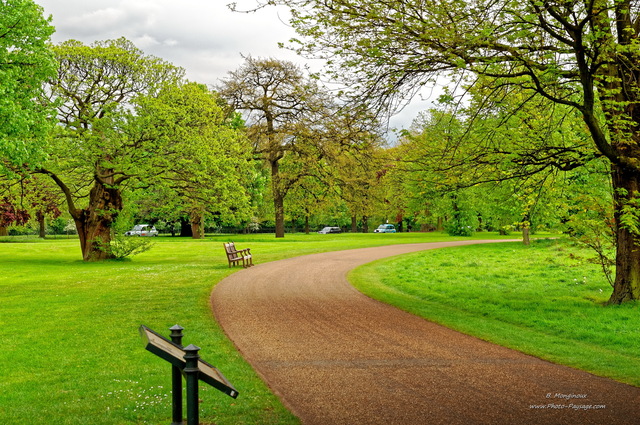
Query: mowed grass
[[544, 300], [70, 352]]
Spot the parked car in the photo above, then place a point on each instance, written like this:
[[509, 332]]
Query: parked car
[[385, 228], [142, 230], [326, 230]]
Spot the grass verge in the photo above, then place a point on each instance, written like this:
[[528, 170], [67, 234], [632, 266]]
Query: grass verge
[[544, 300]]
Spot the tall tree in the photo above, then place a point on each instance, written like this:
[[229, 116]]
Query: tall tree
[[205, 162], [86, 152], [25, 64], [584, 54], [355, 161], [282, 107]]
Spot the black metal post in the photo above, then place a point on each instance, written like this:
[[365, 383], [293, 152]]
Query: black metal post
[[191, 373], [176, 379]]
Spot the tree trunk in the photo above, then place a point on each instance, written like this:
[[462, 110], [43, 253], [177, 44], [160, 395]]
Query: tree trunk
[[41, 225], [626, 185], [278, 198], [306, 224], [526, 227], [278, 205], [197, 224], [365, 224], [354, 224], [196, 230], [4, 231], [94, 222]]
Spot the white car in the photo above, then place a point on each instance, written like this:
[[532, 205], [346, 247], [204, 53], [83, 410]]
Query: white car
[[142, 230], [385, 228], [327, 230]]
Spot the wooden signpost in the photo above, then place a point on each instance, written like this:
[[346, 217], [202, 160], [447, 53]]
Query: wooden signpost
[[185, 361]]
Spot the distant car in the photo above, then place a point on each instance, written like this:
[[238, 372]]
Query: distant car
[[326, 230], [385, 228], [142, 230]]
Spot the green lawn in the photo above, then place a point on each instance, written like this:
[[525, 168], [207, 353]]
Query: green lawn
[[536, 299], [71, 352]]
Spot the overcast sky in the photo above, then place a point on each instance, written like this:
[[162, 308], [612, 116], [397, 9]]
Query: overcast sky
[[202, 36]]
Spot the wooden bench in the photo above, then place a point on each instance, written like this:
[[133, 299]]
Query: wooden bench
[[235, 256]]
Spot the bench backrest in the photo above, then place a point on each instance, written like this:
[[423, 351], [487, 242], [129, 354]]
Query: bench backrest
[[230, 249]]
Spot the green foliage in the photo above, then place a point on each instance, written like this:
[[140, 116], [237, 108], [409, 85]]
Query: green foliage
[[200, 158], [58, 226], [589, 215], [461, 224], [90, 158], [311, 147], [25, 64], [482, 154], [121, 246], [93, 82], [630, 212]]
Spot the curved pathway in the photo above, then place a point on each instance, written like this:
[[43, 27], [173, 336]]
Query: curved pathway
[[335, 356]]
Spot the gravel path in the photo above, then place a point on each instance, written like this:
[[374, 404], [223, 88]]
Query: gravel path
[[335, 356]]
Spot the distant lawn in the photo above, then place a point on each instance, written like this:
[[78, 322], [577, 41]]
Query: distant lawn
[[70, 350], [534, 299]]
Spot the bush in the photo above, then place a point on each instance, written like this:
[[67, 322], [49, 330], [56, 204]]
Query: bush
[[57, 226], [462, 224], [123, 246]]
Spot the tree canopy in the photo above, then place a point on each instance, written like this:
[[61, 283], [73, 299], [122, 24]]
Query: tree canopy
[[129, 120], [25, 64]]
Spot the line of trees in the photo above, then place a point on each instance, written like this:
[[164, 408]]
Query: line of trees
[[123, 133], [540, 128]]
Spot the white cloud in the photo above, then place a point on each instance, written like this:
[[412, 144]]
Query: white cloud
[[145, 42], [203, 36], [102, 19]]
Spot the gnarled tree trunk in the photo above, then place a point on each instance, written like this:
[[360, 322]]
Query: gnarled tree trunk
[[94, 222], [197, 224]]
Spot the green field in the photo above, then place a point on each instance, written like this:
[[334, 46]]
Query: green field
[[71, 352]]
